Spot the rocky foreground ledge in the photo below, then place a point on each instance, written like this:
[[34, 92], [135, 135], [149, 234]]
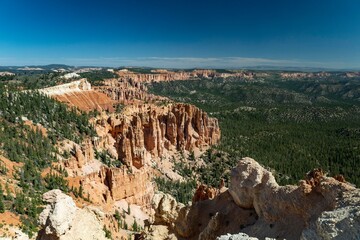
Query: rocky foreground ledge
[[254, 207]]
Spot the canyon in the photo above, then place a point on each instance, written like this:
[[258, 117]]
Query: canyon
[[142, 142], [140, 138], [145, 139]]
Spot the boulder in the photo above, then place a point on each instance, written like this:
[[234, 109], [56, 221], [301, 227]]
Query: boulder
[[58, 215], [285, 211], [62, 220], [166, 208]]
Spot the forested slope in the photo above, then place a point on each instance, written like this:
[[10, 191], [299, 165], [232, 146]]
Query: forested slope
[[289, 125], [24, 143]]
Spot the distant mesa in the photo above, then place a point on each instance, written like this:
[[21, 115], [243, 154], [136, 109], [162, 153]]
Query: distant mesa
[[160, 75]]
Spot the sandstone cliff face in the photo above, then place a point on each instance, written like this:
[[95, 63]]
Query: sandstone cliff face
[[87, 100], [141, 137], [144, 132], [128, 91], [113, 184], [106, 185], [164, 75], [159, 76], [80, 94]]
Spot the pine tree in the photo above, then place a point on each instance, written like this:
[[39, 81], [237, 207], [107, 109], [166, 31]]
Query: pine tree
[[81, 191], [2, 206], [135, 226]]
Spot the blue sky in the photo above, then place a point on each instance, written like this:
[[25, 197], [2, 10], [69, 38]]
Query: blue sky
[[203, 33]]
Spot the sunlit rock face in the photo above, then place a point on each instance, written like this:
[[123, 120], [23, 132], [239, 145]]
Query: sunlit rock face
[[62, 220], [148, 131], [80, 94]]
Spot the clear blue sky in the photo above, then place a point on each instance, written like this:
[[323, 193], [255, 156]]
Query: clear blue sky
[[169, 33]]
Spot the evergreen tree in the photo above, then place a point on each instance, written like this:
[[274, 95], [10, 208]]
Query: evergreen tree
[[81, 191], [135, 226], [2, 206]]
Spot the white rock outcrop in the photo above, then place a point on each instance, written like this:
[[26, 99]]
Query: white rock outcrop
[[62, 220], [239, 236], [58, 215], [75, 86], [341, 223]]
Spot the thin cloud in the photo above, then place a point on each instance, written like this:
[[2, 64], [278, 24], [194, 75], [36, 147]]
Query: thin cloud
[[174, 62], [191, 62]]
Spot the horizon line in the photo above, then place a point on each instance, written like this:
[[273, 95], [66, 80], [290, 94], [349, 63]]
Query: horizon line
[[181, 63]]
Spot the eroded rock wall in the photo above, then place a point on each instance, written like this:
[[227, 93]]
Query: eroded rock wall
[[114, 184], [143, 132], [127, 91], [139, 138], [160, 76], [165, 75]]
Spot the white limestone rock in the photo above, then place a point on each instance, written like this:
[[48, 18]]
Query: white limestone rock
[[62, 220], [57, 217]]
